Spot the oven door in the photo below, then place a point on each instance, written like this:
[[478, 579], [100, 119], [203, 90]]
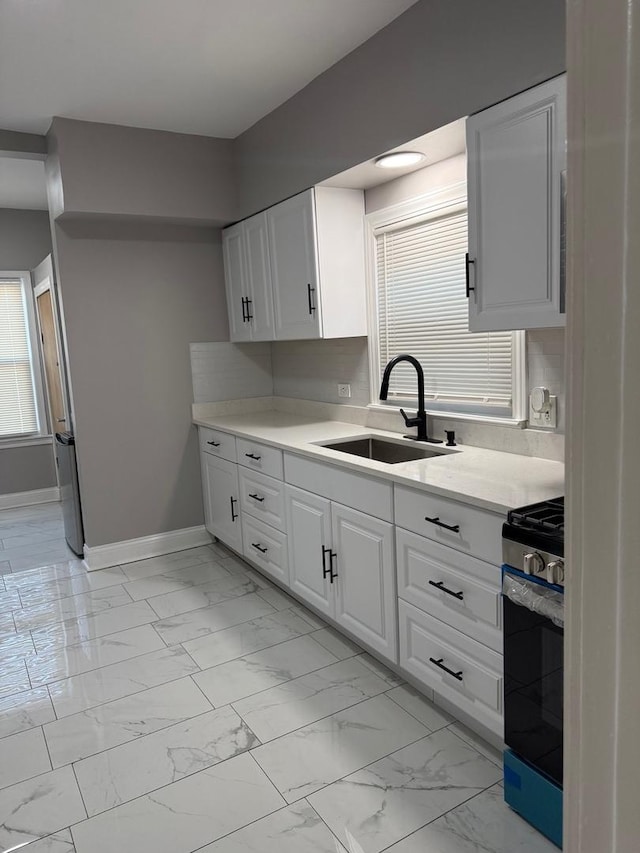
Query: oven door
[[533, 671]]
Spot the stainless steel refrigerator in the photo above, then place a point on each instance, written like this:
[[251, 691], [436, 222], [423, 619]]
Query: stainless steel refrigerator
[[70, 491]]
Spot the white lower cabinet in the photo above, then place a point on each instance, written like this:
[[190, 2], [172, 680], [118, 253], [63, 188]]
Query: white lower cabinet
[[221, 500], [341, 561]]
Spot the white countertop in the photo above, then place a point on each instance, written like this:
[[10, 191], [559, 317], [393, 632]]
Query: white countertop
[[486, 478]]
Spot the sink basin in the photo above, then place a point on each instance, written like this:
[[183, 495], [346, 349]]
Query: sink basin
[[381, 450]]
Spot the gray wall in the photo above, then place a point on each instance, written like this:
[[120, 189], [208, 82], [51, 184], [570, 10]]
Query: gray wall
[[438, 61], [25, 240], [112, 171], [135, 296]]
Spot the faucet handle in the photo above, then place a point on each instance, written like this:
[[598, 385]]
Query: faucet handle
[[410, 422]]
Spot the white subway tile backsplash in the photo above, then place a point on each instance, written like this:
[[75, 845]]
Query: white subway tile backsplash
[[226, 371], [311, 370]]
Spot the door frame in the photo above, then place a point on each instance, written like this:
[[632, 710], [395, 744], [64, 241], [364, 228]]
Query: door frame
[[44, 280]]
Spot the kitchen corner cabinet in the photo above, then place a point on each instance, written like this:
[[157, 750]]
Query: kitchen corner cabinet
[[516, 165], [221, 499], [342, 562], [298, 270], [248, 280]]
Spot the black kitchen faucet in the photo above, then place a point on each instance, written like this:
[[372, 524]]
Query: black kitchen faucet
[[420, 419]]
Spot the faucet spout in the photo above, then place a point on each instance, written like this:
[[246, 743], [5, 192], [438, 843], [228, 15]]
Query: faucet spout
[[420, 420]]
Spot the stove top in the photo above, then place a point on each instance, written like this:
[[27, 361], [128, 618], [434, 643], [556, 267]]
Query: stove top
[[533, 540]]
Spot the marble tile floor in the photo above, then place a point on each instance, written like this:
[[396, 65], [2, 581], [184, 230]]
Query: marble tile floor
[[183, 704]]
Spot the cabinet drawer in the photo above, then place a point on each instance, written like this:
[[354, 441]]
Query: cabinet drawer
[[262, 497], [218, 443], [260, 457], [475, 531], [266, 547], [374, 497], [474, 682], [457, 589]]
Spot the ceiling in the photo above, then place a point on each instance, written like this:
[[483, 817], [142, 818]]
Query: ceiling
[[211, 67], [438, 145], [22, 184]]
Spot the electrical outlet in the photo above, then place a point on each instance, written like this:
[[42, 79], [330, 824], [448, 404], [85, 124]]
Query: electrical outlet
[[344, 390], [544, 420]]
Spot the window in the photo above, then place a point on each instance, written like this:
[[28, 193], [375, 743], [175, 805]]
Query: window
[[420, 307], [19, 388]]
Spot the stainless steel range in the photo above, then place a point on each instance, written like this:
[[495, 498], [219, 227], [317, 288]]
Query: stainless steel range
[[533, 617]]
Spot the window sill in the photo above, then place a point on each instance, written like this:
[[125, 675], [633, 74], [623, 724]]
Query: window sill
[[510, 423], [31, 440]]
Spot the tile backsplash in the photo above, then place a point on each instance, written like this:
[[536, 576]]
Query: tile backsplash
[[311, 370], [546, 365], [226, 371]]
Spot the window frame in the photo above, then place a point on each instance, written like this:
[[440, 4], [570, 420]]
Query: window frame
[[414, 211], [42, 432]]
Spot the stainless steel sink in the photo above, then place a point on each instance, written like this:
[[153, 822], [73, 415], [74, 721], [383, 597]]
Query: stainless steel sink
[[381, 450]]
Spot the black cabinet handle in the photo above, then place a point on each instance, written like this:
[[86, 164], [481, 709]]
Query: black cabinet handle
[[454, 527], [325, 571], [257, 498], [234, 514], [438, 663], [332, 556], [249, 314], [440, 585], [214, 443], [259, 548], [467, 263], [244, 310], [253, 456], [310, 291]]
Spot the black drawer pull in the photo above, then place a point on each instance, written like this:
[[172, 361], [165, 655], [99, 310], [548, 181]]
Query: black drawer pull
[[214, 443], [253, 456], [438, 663], [310, 291], [234, 514], [326, 571], [332, 556], [440, 585], [454, 527], [467, 263], [259, 548], [256, 498]]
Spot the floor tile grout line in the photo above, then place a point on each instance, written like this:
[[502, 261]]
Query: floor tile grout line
[[139, 737], [101, 636], [126, 695], [204, 607], [193, 587], [323, 822], [439, 817], [167, 784], [77, 781], [444, 726], [471, 745], [103, 666]]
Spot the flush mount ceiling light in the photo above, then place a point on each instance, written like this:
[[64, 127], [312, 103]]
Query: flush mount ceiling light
[[399, 159]]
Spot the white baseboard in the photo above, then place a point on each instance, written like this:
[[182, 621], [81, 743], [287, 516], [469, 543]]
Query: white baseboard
[[116, 553], [36, 496]]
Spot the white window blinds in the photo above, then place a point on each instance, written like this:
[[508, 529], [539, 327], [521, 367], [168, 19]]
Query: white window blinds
[[423, 310], [17, 392]]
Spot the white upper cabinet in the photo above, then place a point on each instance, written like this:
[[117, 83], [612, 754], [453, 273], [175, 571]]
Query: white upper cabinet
[[516, 164], [294, 273], [248, 280], [298, 270]]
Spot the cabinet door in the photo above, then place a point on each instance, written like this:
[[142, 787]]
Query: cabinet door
[[221, 500], [235, 279], [258, 277], [365, 586], [516, 158], [292, 250], [309, 531]]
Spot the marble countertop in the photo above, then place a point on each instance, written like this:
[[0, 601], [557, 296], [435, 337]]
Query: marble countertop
[[486, 478]]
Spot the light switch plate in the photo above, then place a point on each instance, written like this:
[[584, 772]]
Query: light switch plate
[[344, 390], [545, 420]]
